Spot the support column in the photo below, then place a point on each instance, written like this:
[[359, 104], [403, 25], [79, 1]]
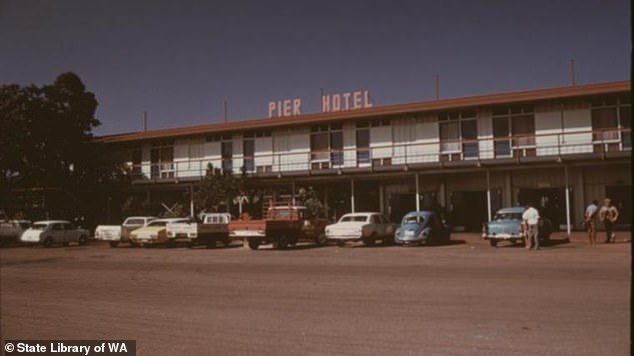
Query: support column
[[326, 201], [443, 193], [381, 198], [417, 193], [191, 200], [293, 192], [567, 201], [352, 195], [488, 194]]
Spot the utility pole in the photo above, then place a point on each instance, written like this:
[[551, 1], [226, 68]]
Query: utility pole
[[225, 111], [572, 72], [437, 86], [145, 121]]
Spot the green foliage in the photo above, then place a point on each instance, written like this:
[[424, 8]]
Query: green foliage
[[217, 190], [46, 146], [309, 198]]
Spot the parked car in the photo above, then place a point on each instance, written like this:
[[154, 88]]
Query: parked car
[[282, 225], [366, 227], [421, 227], [506, 225], [212, 228], [11, 230], [154, 232], [49, 232], [116, 234]]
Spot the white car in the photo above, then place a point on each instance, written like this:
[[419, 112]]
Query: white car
[[154, 232], [11, 230], [48, 232], [116, 234], [366, 227]]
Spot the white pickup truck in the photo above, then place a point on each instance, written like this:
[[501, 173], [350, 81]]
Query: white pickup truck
[[116, 234], [212, 229]]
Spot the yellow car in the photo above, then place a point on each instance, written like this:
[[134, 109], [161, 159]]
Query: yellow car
[[154, 232]]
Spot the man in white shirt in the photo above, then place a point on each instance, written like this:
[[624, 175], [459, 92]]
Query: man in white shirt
[[530, 218], [591, 221]]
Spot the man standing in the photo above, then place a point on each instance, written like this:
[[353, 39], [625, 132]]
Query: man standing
[[590, 220], [608, 216], [530, 218]]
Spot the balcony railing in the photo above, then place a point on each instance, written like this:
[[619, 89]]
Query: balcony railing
[[542, 145]]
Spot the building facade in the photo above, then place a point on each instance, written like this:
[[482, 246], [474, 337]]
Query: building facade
[[559, 148]]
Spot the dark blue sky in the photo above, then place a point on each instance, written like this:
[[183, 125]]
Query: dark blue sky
[[180, 60]]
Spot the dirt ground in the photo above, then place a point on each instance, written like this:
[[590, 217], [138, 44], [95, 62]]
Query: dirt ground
[[463, 298]]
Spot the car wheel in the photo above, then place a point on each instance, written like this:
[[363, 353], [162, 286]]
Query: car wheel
[[114, 243], [388, 241], [282, 242], [48, 242], [369, 241], [226, 242], [320, 240], [493, 242], [82, 240], [133, 244], [254, 244], [341, 243]]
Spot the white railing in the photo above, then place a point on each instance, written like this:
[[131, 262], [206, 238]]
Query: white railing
[[542, 145]]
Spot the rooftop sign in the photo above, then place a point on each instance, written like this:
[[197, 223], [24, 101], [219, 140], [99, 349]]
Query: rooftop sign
[[329, 103]]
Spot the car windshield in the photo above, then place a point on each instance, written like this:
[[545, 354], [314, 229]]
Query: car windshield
[[134, 222], [157, 223], [39, 227], [507, 216], [412, 219], [356, 218]]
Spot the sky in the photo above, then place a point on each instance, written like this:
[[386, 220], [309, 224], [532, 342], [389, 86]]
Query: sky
[[181, 60]]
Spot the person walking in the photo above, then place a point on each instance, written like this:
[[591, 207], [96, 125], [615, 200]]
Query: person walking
[[608, 214], [530, 218], [590, 221]]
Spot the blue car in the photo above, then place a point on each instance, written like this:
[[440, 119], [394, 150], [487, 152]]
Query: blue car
[[506, 225], [421, 227]]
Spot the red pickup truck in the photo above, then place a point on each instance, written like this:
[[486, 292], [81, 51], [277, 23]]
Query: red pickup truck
[[282, 226]]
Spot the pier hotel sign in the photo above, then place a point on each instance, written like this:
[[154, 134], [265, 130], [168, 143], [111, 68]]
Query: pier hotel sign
[[329, 103]]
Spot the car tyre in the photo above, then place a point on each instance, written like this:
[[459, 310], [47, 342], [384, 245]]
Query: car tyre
[[114, 244], [493, 242], [226, 242], [254, 244], [341, 243], [48, 242], [321, 240], [82, 240], [282, 242], [369, 241]]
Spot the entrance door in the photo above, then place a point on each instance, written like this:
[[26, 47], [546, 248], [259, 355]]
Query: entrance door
[[551, 203], [469, 210], [401, 204]]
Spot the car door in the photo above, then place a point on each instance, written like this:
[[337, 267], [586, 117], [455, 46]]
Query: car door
[[70, 234], [57, 233]]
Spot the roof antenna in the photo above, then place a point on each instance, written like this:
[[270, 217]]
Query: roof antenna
[[437, 86], [572, 72]]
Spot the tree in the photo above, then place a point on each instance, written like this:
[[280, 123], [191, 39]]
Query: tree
[[217, 189], [309, 198], [46, 144]]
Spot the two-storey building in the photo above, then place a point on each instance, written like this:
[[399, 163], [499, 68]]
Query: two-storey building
[[559, 148]]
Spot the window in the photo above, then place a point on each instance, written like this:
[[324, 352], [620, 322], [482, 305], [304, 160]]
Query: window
[[162, 159], [248, 150], [459, 133], [326, 146], [226, 154], [612, 120], [137, 158], [363, 145], [513, 129]]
